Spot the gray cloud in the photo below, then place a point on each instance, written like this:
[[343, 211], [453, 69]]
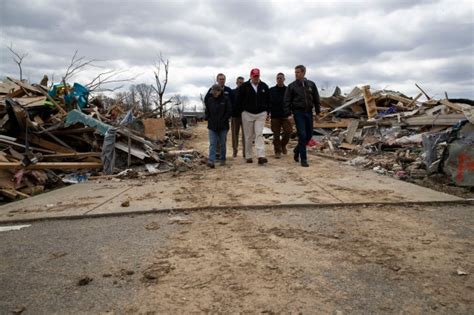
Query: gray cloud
[[393, 42]]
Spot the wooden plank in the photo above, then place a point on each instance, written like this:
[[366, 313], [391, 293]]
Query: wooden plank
[[26, 86], [329, 124], [370, 104], [414, 100], [351, 130], [395, 97], [133, 151], [71, 155], [12, 194], [350, 103], [426, 95], [437, 120], [48, 145], [31, 101], [455, 106], [347, 146], [50, 165], [155, 128], [12, 143]]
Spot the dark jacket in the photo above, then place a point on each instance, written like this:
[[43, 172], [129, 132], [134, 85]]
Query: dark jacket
[[218, 112], [248, 100], [277, 102], [227, 92], [302, 96], [235, 112]]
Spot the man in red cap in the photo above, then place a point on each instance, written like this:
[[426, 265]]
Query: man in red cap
[[253, 102]]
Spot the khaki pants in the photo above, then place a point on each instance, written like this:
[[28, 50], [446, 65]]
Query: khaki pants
[[236, 125], [253, 127], [280, 140]]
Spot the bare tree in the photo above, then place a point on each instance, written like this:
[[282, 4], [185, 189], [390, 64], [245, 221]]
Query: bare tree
[[161, 82], [145, 93], [76, 65], [18, 59]]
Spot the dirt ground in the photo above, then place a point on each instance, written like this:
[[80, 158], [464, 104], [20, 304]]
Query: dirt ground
[[342, 259]]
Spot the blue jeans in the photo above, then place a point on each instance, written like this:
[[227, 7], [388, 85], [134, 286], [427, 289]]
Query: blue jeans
[[304, 129], [214, 137]]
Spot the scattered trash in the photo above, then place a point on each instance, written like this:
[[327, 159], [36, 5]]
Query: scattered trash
[[152, 226], [84, 281], [179, 220], [461, 272], [157, 270], [13, 227], [125, 203]]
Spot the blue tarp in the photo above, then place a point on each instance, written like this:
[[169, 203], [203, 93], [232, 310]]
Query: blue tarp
[[76, 116]]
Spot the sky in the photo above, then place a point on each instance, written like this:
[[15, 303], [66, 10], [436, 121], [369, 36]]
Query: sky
[[387, 44]]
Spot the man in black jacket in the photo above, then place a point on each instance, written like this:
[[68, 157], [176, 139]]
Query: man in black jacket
[[253, 101], [300, 97], [218, 111], [227, 91], [279, 115]]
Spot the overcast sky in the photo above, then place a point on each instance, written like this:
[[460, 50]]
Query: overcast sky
[[389, 44]]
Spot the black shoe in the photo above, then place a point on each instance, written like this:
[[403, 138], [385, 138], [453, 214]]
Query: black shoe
[[210, 164], [296, 157], [249, 161], [277, 155], [262, 160], [223, 163], [304, 164], [284, 151]]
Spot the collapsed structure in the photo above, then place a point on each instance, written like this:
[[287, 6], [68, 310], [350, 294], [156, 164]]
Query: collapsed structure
[[57, 135], [398, 135]]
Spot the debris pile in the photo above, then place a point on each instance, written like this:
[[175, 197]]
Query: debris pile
[[51, 136], [398, 135]]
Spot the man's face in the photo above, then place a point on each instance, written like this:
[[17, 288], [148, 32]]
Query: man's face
[[255, 80], [216, 93], [239, 82], [299, 74], [280, 79], [221, 80]]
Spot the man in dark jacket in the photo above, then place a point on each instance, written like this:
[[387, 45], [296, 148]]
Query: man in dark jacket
[[253, 100], [236, 122], [227, 91], [218, 111], [279, 115], [301, 97]]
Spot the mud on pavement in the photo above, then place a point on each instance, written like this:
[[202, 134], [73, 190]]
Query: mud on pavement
[[374, 259]]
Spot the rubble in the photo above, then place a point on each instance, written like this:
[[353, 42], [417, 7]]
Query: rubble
[[61, 135], [393, 134]]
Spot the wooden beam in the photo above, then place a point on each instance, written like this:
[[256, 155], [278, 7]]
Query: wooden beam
[[414, 100], [438, 120], [370, 104], [426, 95], [351, 130], [72, 155], [330, 124], [48, 145], [51, 165]]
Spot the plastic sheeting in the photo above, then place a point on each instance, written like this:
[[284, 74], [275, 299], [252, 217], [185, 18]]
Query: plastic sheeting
[[108, 151]]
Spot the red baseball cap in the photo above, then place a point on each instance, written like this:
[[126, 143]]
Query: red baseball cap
[[254, 73]]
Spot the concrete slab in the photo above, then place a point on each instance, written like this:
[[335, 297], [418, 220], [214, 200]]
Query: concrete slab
[[281, 182]]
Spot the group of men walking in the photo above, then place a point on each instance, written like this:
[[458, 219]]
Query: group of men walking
[[252, 103]]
